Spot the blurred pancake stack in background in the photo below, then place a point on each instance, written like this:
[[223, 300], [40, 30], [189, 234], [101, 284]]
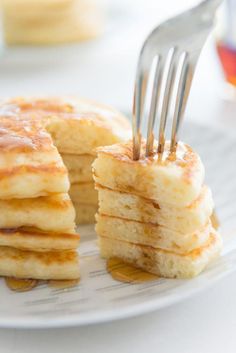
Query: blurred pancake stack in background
[[40, 22]]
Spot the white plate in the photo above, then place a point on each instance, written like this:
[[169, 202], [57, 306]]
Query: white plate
[[99, 298]]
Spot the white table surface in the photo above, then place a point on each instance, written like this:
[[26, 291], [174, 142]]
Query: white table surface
[[104, 70]]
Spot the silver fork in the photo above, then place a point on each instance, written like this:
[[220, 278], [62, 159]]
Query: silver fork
[[175, 45]]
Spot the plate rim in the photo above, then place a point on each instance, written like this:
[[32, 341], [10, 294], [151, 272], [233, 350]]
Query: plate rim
[[113, 314]]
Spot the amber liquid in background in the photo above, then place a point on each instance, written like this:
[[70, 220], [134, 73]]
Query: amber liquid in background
[[227, 57]]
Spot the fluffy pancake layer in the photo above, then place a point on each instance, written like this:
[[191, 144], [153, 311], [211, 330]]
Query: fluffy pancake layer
[[161, 262], [77, 126], [173, 179], [151, 235], [30, 165], [85, 213], [50, 213], [82, 189], [181, 219], [37, 240], [57, 265], [84, 193], [79, 167]]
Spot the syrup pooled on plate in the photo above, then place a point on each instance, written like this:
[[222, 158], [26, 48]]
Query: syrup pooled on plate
[[127, 273], [63, 284], [25, 285], [20, 285]]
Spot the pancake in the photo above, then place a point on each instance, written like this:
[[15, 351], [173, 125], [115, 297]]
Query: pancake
[[79, 167], [181, 219], [172, 179], [55, 22], [36, 240], [34, 181], [84, 193], [151, 235], [77, 126], [60, 265], [85, 213], [30, 165], [50, 213], [160, 262]]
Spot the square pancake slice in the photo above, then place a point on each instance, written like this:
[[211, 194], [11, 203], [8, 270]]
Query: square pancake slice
[[174, 179], [79, 167], [49, 213], [30, 165], [161, 262], [150, 234], [36, 240], [181, 219], [57, 265]]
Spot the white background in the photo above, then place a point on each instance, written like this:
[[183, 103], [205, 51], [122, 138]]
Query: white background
[[105, 70]]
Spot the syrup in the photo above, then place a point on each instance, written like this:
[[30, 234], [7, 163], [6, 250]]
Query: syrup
[[126, 273], [227, 57], [63, 284], [20, 285]]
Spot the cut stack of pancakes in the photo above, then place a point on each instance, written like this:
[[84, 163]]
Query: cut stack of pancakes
[[51, 21], [35, 242], [37, 218], [155, 212]]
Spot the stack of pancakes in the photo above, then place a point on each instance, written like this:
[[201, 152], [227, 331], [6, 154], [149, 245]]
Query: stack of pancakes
[[51, 21], [155, 212], [37, 228], [77, 127], [37, 236]]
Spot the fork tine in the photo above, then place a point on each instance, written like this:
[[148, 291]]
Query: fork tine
[[166, 99], [181, 98], [138, 105], [187, 33], [154, 104]]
